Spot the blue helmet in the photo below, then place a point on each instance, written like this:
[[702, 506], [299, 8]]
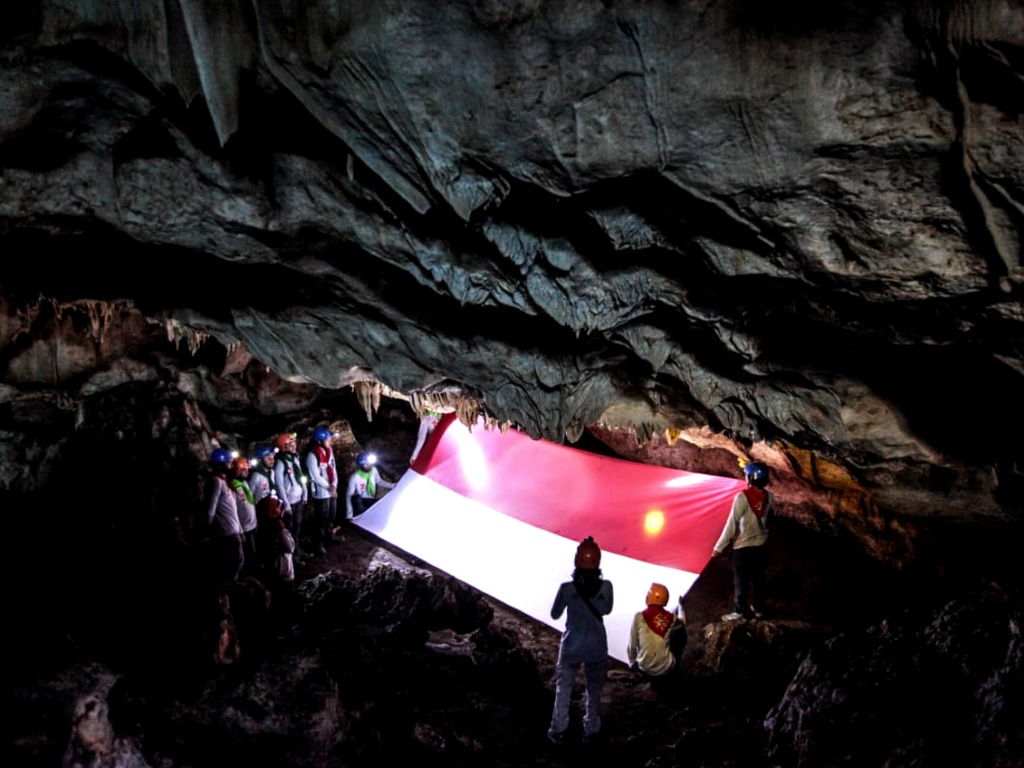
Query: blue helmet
[[220, 456], [321, 434], [263, 451], [365, 458], [756, 473]]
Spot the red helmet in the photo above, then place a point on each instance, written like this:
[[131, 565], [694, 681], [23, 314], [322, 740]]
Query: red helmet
[[588, 554], [270, 507], [239, 463], [284, 438]]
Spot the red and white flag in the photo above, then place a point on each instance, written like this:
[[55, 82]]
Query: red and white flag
[[504, 513]]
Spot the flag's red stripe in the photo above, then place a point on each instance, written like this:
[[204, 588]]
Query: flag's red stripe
[[575, 493]]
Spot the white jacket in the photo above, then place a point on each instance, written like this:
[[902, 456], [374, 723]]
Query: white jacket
[[744, 528], [360, 486], [323, 478], [649, 650]]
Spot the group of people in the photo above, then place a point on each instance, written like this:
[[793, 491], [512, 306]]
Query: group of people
[[257, 519], [657, 635], [257, 511]]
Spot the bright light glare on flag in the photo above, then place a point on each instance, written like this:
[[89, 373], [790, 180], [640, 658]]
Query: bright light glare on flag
[[654, 521], [472, 460], [685, 480]]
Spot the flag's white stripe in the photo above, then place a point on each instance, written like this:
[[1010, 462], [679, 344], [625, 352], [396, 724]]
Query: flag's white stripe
[[519, 564]]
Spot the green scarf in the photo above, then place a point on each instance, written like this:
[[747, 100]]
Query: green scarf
[[236, 483], [367, 475], [292, 459]]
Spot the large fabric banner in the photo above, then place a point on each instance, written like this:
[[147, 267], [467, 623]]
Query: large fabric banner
[[504, 513]]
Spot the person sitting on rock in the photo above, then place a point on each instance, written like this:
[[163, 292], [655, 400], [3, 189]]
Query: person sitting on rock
[[657, 636]]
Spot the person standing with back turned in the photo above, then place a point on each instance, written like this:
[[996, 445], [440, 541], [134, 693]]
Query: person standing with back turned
[[747, 530], [588, 599]]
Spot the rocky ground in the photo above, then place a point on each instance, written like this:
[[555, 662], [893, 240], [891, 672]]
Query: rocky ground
[[639, 717], [713, 713], [382, 657]]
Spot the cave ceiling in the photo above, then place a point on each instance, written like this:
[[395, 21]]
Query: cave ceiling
[[790, 224]]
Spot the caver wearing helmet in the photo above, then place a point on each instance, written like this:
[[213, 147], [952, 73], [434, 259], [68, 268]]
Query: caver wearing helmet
[[361, 492], [261, 478], [746, 531], [322, 470], [756, 473], [245, 504], [272, 537], [222, 518], [585, 600], [588, 554], [291, 484], [657, 636]]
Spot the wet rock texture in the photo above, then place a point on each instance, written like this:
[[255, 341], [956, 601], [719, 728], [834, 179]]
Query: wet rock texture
[[683, 233], [924, 687], [797, 226], [128, 655]]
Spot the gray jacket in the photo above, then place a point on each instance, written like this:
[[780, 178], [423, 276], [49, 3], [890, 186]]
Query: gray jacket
[[584, 638]]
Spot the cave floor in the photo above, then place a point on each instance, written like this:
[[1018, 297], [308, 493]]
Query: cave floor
[[696, 710]]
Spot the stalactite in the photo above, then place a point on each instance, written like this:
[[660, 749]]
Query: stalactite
[[176, 332], [100, 314], [362, 393]]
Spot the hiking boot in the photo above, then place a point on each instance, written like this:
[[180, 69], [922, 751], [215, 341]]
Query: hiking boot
[[592, 738], [557, 739], [734, 616]]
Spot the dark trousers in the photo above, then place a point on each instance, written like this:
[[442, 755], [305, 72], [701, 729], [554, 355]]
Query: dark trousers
[[295, 526], [251, 562], [360, 504], [229, 557], [326, 514], [748, 569]]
